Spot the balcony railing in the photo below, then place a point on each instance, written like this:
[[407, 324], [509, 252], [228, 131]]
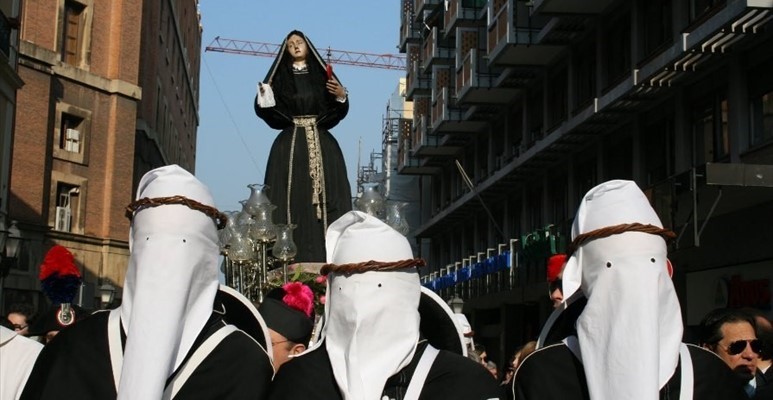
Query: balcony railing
[[508, 24], [417, 82], [486, 272], [473, 72], [420, 6], [409, 31], [419, 131], [462, 12], [433, 52], [424, 142], [439, 106], [514, 36]]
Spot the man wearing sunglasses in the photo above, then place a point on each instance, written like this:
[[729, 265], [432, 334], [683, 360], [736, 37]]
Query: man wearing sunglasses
[[731, 335]]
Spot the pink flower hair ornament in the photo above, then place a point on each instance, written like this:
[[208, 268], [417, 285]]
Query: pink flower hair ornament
[[299, 296]]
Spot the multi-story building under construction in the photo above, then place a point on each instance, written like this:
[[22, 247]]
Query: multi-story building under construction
[[539, 101]]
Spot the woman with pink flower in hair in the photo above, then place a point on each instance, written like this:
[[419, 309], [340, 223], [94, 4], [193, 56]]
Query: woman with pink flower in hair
[[289, 315]]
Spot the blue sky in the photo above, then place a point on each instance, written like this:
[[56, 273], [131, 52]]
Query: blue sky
[[233, 144]]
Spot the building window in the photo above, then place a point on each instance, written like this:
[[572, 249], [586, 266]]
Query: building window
[[585, 175], [761, 119], [618, 49], [70, 133], [618, 155], [535, 108], [66, 202], [657, 25], [558, 204], [69, 44], [658, 147], [710, 130], [700, 9], [557, 97], [515, 131], [585, 75]]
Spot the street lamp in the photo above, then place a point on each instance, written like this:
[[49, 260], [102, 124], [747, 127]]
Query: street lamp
[[106, 294], [10, 241], [456, 304]]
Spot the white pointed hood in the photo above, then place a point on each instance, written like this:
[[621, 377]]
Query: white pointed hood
[[372, 326], [170, 283], [630, 330]]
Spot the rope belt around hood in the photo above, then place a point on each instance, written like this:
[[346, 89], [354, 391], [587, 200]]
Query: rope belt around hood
[[371, 266], [600, 233], [219, 218]]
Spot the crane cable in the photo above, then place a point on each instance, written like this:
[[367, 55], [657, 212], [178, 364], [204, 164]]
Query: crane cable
[[230, 116]]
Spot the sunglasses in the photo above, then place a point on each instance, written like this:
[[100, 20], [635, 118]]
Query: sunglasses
[[739, 346], [17, 327], [556, 284]]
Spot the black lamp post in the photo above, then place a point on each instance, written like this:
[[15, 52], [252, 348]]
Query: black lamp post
[[10, 242], [106, 294], [456, 304]]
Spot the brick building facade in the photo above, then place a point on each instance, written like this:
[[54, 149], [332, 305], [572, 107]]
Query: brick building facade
[[92, 85]]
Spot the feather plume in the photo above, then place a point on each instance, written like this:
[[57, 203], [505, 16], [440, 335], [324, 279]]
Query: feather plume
[[299, 296], [59, 277]]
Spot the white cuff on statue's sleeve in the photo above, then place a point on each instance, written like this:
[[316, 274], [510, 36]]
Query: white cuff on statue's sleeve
[[266, 99]]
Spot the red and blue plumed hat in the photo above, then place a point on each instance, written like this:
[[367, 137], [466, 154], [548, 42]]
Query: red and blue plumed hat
[[60, 278]]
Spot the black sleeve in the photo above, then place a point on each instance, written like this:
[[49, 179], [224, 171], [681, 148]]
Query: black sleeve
[[273, 117], [308, 377], [42, 370], [453, 377], [337, 111], [74, 365], [712, 378], [551, 373], [237, 369]]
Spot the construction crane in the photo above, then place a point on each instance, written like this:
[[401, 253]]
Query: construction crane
[[260, 49]]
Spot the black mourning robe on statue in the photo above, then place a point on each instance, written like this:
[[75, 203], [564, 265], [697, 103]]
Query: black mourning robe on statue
[[309, 98], [76, 365], [451, 377], [554, 373]]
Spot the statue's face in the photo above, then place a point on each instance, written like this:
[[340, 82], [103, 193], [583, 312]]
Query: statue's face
[[297, 48]]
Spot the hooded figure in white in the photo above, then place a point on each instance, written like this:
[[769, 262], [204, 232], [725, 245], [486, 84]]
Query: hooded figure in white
[[364, 308], [628, 336], [177, 324], [631, 328], [384, 335], [172, 275]]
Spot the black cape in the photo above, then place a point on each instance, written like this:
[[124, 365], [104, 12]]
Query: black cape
[[764, 389], [76, 365], [564, 325], [554, 373], [452, 377], [304, 94]]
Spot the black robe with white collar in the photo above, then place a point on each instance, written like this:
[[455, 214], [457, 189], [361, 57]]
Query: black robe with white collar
[[451, 377], [554, 373], [76, 365]]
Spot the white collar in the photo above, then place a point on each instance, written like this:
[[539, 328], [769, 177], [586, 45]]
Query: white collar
[[6, 335]]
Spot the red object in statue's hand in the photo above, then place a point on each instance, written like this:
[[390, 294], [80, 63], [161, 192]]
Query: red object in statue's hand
[[329, 71]]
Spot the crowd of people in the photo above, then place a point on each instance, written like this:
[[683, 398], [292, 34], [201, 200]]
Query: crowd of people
[[616, 331]]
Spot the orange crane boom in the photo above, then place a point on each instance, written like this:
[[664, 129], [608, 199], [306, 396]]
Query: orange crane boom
[[260, 49]]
